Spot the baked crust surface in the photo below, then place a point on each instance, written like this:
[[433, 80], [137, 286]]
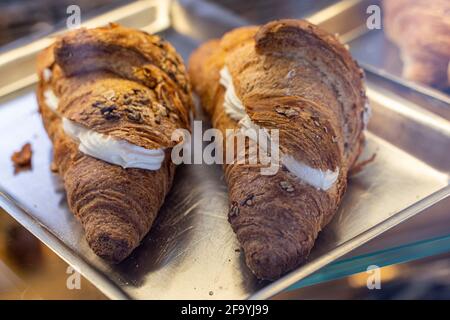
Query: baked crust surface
[[296, 78], [129, 85]]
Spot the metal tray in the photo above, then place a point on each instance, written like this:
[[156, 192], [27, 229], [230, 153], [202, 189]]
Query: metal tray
[[191, 250]]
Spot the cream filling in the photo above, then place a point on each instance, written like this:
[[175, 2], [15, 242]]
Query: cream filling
[[234, 108], [317, 178], [105, 147], [47, 74], [112, 150], [51, 100]]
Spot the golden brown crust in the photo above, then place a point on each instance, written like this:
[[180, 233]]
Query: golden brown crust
[[141, 92], [116, 206], [132, 54], [421, 29], [296, 78]]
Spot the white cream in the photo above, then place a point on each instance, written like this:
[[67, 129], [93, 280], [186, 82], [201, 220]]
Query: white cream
[[319, 179], [51, 100], [233, 106], [112, 150], [47, 74], [107, 148]]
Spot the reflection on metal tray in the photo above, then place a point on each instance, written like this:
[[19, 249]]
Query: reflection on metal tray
[[151, 15], [191, 252]]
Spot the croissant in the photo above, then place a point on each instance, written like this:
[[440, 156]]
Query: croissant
[[109, 99], [291, 76], [421, 29]]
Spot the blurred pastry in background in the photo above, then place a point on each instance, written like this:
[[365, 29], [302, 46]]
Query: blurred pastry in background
[[421, 29]]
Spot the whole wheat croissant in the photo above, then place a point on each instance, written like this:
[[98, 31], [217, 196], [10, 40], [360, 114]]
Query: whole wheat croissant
[[130, 86], [421, 29], [294, 77]]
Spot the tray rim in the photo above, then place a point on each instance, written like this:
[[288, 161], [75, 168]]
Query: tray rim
[[113, 291], [40, 231], [31, 49], [334, 266]]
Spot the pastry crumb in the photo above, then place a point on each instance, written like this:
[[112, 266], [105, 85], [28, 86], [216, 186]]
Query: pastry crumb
[[22, 158], [358, 167]]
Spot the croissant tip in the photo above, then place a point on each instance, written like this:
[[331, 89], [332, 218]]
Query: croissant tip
[[264, 265], [268, 261], [112, 248]]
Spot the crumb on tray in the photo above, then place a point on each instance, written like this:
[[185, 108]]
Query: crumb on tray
[[22, 158]]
